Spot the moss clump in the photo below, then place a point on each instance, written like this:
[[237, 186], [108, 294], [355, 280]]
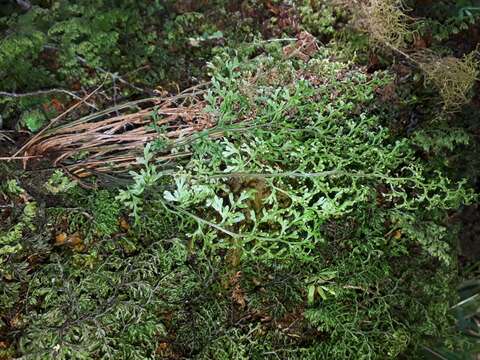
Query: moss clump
[[386, 22], [454, 78], [389, 26]]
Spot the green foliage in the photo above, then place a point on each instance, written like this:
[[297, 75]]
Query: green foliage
[[10, 240], [317, 191], [308, 230], [105, 213], [445, 19], [94, 30], [441, 139], [12, 188], [25, 46], [96, 214], [67, 45], [466, 313], [12, 247], [59, 183], [369, 321], [308, 162], [132, 197], [33, 120], [114, 306], [320, 17]]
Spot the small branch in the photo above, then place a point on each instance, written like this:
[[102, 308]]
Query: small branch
[[276, 174], [403, 53], [37, 93], [114, 76], [353, 287], [14, 131], [19, 157], [434, 353], [45, 92], [278, 40], [73, 107], [179, 211], [8, 138], [298, 175]]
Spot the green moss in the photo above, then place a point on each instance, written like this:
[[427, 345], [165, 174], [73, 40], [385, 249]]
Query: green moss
[[66, 45], [33, 120]]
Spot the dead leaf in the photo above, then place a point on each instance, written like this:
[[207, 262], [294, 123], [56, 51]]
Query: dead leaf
[[54, 106], [79, 247], [162, 347], [284, 18], [388, 93], [419, 43], [235, 278], [60, 239], [74, 241], [304, 48], [238, 296], [373, 63], [265, 319], [124, 224], [25, 197], [57, 105], [75, 86], [16, 321]]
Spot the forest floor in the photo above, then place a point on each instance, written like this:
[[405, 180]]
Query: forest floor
[[294, 194]]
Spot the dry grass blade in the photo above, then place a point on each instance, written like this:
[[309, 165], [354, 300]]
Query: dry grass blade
[[8, 158], [54, 121], [108, 142]]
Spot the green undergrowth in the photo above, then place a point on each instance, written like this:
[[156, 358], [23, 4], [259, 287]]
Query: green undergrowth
[[309, 230], [77, 46], [312, 148], [445, 19], [313, 176]]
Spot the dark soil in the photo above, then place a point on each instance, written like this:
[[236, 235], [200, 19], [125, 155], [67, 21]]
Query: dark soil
[[469, 237]]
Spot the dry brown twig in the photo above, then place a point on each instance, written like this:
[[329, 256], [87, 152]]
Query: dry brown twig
[[45, 92], [55, 120], [108, 142]]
